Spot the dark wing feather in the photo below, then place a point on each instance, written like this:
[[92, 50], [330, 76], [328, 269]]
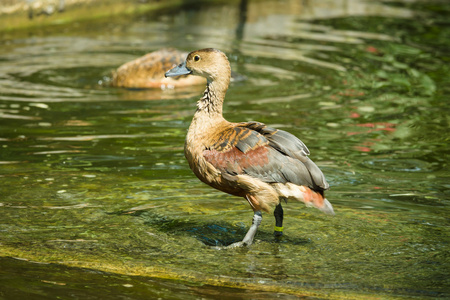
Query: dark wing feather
[[265, 153], [280, 140], [291, 146]]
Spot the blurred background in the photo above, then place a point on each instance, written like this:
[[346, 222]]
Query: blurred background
[[98, 202]]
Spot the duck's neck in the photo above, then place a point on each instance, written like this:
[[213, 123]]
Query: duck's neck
[[208, 118], [212, 101]]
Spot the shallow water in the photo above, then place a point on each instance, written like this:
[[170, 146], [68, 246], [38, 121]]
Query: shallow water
[[98, 201]]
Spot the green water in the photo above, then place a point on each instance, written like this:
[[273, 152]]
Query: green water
[[98, 202]]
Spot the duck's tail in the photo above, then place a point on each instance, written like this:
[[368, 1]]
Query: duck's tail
[[304, 194]]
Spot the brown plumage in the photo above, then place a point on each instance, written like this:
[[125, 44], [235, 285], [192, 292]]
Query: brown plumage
[[148, 71], [262, 164]]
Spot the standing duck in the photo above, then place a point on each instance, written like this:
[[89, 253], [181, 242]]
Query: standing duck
[[249, 159]]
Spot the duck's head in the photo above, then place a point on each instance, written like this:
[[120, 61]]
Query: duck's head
[[209, 63]]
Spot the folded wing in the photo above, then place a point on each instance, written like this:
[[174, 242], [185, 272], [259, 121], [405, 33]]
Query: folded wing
[[268, 154]]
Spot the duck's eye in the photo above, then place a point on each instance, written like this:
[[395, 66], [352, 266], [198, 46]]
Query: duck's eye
[[196, 58]]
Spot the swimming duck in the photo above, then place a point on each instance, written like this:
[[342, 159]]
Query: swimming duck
[[148, 71], [248, 159]]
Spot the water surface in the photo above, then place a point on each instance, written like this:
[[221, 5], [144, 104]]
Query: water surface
[[97, 198]]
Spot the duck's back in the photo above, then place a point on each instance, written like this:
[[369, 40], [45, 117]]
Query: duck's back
[[148, 71]]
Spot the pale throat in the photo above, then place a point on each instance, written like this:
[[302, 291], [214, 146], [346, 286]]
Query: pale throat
[[212, 100]]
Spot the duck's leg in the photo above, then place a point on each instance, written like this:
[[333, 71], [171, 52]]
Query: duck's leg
[[278, 213], [248, 239], [257, 218]]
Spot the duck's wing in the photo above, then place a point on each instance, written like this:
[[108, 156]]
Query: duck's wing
[[265, 153]]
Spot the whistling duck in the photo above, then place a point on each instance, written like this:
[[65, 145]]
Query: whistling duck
[[148, 71], [249, 159]]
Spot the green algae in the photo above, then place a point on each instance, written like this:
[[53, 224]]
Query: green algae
[[95, 178], [170, 238]]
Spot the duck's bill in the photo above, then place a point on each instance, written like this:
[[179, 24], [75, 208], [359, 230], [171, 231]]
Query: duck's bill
[[179, 70]]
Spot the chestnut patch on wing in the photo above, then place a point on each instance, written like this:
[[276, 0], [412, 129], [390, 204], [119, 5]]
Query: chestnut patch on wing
[[235, 161]]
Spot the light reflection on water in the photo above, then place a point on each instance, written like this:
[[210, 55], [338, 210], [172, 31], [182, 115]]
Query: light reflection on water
[[95, 177]]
